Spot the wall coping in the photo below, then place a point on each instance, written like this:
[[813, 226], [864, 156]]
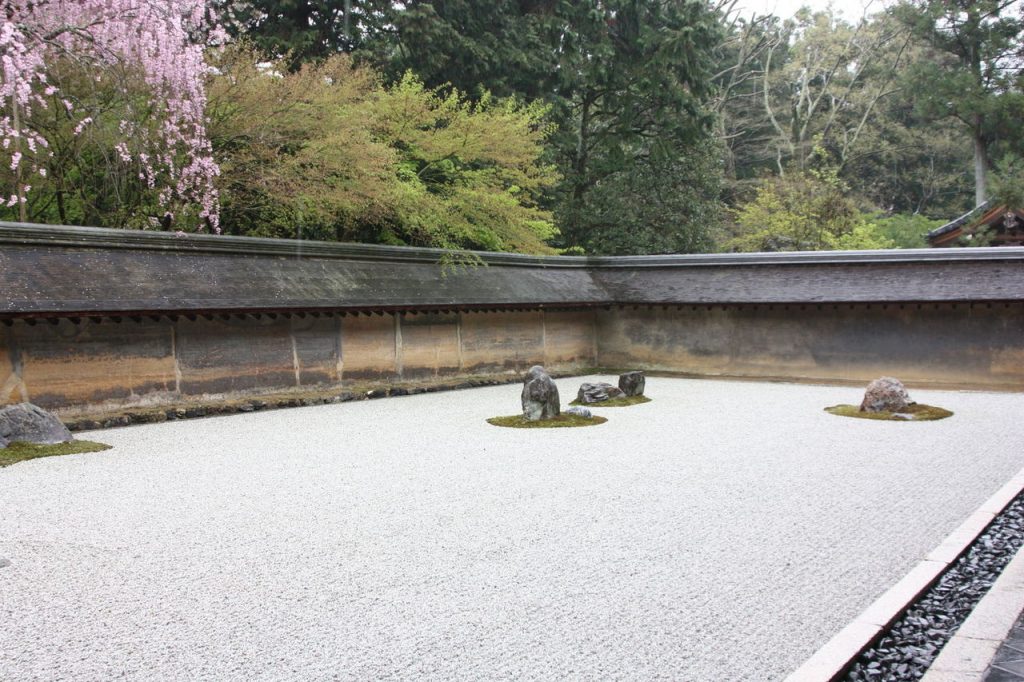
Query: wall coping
[[107, 238], [54, 272]]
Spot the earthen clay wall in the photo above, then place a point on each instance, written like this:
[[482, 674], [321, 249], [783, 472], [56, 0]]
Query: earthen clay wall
[[94, 318], [89, 364], [979, 345]]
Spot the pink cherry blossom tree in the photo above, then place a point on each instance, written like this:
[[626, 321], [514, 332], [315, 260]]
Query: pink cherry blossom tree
[[161, 40]]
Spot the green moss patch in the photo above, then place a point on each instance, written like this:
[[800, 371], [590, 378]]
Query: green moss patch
[[624, 401], [518, 421], [914, 413], [19, 452]]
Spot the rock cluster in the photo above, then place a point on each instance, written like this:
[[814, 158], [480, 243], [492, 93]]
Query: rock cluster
[[597, 393], [885, 395], [29, 423], [540, 395], [632, 383]]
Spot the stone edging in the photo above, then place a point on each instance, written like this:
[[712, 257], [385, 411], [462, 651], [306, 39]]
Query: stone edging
[[154, 240], [969, 652], [832, 660]]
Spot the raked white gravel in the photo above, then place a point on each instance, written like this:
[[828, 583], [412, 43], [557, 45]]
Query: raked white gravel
[[722, 532]]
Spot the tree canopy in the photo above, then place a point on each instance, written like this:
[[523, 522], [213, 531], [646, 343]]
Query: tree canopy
[[134, 73], [579, 126], [399, 164]]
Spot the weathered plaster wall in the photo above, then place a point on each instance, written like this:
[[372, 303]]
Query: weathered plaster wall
[[977, 345], [84, 365], [95, 318], [88, 364]]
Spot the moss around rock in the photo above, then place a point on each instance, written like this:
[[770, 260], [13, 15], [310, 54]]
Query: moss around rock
[[19, 452], [915, 412], [624, 401], [518, 421]]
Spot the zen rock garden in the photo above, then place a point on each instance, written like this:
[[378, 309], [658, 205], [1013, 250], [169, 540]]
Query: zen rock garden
[[360, 519]]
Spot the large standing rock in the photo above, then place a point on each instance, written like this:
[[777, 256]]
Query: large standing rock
[[597, 393], [632, 383], [31, 424], [885, 395], [540, 395]]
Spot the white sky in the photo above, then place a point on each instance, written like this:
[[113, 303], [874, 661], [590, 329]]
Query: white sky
[[851, 9]]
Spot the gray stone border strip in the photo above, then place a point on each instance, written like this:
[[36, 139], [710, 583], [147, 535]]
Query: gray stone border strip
[[833, 659], [113, 238], [969, 652]]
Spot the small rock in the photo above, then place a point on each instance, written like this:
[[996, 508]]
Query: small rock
[[540, 395], [4, 563], [885, 395], [597, 393], [580, 412], [632, 383], [31, 424]]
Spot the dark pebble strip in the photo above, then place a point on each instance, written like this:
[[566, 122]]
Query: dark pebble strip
[[912, 643]]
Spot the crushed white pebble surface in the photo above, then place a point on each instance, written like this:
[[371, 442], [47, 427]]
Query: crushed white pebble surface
[[723, 531]]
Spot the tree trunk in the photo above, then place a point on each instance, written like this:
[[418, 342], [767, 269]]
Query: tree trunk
[[980, 166], [573, 229]]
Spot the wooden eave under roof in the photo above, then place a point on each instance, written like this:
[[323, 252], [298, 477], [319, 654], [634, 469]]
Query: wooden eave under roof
[[71, 272], [986, 215]]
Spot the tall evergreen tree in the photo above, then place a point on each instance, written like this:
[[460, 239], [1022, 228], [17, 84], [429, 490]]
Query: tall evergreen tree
[[632, 95], [976, 76]]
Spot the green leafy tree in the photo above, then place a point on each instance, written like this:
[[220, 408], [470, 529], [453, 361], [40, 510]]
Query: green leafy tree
[[328, 152], [502, 47], [469, 171], [301, 30], [297, 156], [804, 211], [974, 76], [1008, 181], [905, 231], [656, 207], [635, 82]]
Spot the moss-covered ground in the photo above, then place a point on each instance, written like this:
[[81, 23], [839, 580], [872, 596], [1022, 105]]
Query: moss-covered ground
[[916, 413], [518, 421], [624, 401], [19, 452]]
